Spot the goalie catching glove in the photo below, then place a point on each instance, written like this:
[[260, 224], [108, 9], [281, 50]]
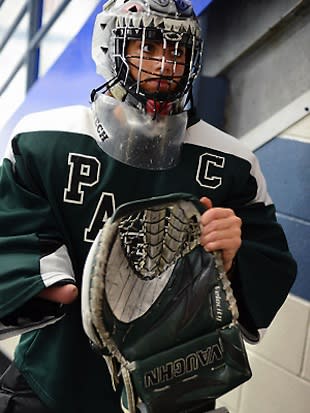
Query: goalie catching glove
[[160, 309]]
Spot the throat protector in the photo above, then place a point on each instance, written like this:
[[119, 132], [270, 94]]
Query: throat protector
[[136, 138]]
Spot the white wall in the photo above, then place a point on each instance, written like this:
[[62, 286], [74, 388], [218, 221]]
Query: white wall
[[280, 366]]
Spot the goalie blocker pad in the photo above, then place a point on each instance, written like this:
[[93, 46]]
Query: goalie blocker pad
[[174, 335]]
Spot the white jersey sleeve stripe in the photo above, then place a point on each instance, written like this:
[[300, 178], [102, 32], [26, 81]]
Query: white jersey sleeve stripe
[[56, 267]]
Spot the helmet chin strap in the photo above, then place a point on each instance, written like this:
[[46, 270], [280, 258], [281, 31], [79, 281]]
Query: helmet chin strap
[[109, 86]]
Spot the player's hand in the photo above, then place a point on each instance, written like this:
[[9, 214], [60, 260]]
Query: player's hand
[[63, 294], [220, 230]]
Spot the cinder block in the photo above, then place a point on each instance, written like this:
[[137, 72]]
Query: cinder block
[[274, 390], [284, 341], [231, 400]]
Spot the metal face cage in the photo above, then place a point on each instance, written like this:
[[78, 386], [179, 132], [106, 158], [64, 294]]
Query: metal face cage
[[173, 44]]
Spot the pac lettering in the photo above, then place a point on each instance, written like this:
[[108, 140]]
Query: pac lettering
[[83, 172], [105, 208]]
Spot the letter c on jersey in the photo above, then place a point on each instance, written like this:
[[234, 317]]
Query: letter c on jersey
[[207, 167]]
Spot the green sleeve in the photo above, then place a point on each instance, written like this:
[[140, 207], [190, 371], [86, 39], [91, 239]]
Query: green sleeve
[[32, 253], [265, 270]]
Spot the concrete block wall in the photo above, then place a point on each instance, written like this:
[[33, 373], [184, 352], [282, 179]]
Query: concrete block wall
[[280, 366]]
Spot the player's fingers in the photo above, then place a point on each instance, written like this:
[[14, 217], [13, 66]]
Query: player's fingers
[[232, 224], [64, 294], [228, 253], [206, 202], [215, 214], [224, 244]]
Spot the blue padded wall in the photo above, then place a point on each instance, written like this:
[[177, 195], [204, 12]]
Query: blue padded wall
[[285, 163]]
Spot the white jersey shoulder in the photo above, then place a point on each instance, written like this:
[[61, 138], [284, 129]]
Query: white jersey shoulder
[[74, 119], [206, 135]]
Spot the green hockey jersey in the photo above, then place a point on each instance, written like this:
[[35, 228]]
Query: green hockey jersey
[[57, 188]]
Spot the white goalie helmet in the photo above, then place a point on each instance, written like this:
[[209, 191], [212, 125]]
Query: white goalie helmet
[[149, 53], [165, 21]]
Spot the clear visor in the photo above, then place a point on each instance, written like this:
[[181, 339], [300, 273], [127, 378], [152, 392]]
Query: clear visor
[[137, 139]]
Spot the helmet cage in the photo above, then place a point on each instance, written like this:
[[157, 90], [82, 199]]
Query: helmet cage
[[179, 86], [159, 20]]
